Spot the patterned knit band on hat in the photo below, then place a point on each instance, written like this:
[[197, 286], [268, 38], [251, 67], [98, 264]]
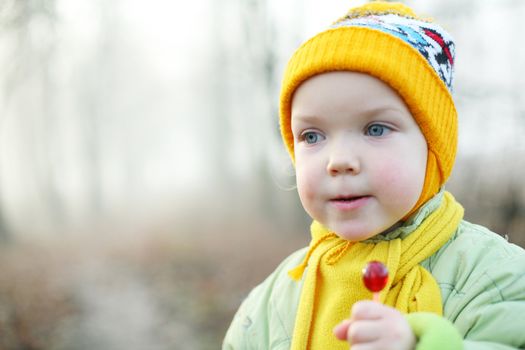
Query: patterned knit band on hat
[[414, 56]]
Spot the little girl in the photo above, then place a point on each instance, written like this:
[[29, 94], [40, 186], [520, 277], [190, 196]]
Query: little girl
[[367, 115]]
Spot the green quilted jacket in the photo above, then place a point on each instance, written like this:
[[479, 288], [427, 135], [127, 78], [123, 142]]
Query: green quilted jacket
[[480, 274]]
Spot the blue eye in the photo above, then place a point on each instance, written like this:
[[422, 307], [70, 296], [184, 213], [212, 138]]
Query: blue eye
[[377, 130], [311, 137]]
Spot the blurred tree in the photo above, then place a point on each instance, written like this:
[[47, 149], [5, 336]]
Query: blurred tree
[[57, 120], [259, 63], [30, 26], [95, 94], [219, 94]]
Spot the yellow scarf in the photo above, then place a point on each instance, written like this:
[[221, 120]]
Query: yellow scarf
[[334, 281]]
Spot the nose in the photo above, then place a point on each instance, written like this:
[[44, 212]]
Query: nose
[[343, 163]]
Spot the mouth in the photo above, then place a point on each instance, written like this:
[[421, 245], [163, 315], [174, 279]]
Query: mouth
[[347, 198], [349, 202]]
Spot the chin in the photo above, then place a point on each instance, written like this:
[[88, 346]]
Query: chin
[[355, 234]]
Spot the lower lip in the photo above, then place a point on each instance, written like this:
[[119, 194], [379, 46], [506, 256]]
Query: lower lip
[[350, 205]]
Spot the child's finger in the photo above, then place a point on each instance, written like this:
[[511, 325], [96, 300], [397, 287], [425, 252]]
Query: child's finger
[[363, 332], [369, 346], [341, 330], [368, 310]]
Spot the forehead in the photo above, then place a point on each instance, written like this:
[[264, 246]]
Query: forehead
[[344, 91]]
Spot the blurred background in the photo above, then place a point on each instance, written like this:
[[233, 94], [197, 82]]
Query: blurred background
[[144, 189]]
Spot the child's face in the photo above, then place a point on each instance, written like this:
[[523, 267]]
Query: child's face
[[360, 157]]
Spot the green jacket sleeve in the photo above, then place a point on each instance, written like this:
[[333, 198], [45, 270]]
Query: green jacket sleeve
[[250, 326], [434, 332], [266, 317], [495, 317], [235, 338], [482, 278]]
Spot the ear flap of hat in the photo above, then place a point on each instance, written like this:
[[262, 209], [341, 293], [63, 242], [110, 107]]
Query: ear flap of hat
[[432, 183]]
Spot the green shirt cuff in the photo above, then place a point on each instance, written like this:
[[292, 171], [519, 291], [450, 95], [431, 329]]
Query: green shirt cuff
[[434, 332]]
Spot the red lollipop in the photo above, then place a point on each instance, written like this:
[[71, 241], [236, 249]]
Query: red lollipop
[[375, 277]]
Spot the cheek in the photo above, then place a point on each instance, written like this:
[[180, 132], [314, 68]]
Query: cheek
[[304, 182], [307, 181], [401, 180]]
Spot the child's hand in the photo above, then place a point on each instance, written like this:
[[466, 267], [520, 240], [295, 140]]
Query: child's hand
[[376, 326]]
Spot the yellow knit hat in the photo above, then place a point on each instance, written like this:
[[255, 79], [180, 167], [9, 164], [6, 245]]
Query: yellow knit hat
[[412, 55]]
